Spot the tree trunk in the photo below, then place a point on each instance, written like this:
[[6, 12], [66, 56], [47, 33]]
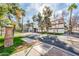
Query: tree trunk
[[47, 30], [22, 24], [70, 25], [57, 27], [13, 30], [19, 25]]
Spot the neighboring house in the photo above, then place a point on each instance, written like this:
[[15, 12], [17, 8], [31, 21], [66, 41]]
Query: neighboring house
[[35, 27], [31, 27], [57, 26], [28, 27], [76, 28], [75, 24]]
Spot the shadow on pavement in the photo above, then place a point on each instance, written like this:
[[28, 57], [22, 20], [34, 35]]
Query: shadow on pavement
[[55, 41]]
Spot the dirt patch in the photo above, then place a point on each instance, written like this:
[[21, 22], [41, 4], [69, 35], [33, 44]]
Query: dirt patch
[[22, 47]]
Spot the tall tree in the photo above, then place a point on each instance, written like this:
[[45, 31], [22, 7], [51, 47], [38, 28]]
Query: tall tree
[[34, 18], [28, 25], [38, 18], [47, 12], [40, 21], [34, 22], [23, 14], [70, 9], [19, 13], [18, 17], [6, 10]]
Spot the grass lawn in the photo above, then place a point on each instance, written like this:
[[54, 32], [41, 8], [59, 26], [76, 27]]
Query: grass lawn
[[1, 40], [9, 50]]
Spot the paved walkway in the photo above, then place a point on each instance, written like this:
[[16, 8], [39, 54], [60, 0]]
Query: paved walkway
[[43, 49], [48, 50], [72, 41]]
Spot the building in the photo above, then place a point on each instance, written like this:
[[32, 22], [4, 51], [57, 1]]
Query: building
[[28, 27], [57, 26], [75, 24]]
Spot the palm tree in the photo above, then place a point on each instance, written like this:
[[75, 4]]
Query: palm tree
[[40, 22], [7, 10], [12, 10], [70, 9], [23, 14], [39, 19], [18, 17], [19, 13], [47, 12], [34, 20], [28, 25]]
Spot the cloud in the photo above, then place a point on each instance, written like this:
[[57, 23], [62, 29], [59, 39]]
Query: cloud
[[34, 8]]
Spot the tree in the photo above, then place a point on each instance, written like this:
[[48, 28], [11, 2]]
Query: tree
[[23, 14], [18, 18], [2, 14], [40, 21], [6, 10], [28, 25], [34, 21], [70, 9], [13, 10], [38, 18], [5, 17], [47, 12], [34, 18], [19, 13]]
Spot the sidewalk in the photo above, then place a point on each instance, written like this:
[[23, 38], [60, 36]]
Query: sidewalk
[[68, 39], [24, 34], [43, 49], [71, 41]]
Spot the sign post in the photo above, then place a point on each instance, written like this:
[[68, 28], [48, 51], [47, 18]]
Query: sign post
[[8, 40]]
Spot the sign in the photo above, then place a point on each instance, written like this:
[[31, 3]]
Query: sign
[[8, 41]]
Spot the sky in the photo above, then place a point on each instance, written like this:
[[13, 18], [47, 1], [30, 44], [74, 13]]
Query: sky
[[33, 9]]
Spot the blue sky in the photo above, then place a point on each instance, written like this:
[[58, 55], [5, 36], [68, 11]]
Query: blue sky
[[33, 8]]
